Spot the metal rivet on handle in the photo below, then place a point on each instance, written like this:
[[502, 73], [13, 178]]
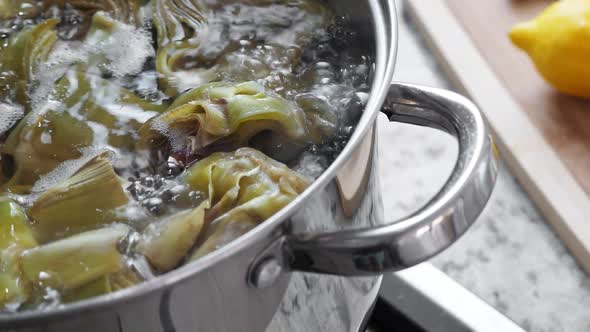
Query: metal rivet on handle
[[265, 273]]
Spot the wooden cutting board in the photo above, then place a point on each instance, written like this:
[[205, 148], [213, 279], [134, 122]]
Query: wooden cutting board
[[544, 136], [564, 121]]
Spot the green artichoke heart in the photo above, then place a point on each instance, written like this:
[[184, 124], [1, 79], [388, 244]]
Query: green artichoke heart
[[227, 114], [245, 187]]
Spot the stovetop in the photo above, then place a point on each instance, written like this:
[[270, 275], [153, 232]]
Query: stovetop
[[386, 318], [424, 299]]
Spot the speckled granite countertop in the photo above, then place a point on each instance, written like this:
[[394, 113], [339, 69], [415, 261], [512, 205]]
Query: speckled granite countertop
[[510, 258]]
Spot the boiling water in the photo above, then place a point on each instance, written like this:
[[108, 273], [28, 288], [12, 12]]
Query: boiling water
[[295, 55]]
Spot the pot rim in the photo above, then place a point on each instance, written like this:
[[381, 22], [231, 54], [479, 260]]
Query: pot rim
[[386, 39]]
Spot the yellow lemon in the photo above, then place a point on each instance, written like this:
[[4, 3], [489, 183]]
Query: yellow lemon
[[558, 42]]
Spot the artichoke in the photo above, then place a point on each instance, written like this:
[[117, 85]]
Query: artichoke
[[83, 111], [15, 230], [322, 121], [122, 10], [123, 279], [100, 286], [20, 59], [226, 115], [15, 236], [245, 178], [75, 261], [127, 11], [244, 187], [204, 41], [234, 69], [84, 201], [103, 285], [178, 24], [222, 233], [288, 23], [113, 109], [10, 9], [166, 242], [103, 43], [40, 143]]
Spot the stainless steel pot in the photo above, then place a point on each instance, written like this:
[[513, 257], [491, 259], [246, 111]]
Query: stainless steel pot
[[315, 265]]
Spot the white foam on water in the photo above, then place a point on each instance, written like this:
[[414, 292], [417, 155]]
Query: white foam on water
[[310, 165], [100, 137], [135, 214], [176, 139], [65, 170], [126, 49], [127, 112], [184, 80], [51, 299], [147, 83], [63, 56], [145, 16], [41, 109], [9, 115]]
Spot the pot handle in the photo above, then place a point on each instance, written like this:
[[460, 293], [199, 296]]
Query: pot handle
[[420, 236]]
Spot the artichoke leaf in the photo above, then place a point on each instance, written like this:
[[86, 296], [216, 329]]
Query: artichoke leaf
[[10, 9], [321, 118], [86, 200], [100, 286], [103, 285], [312, 9], [15, 236], [123, 279], [103, 43], [40, 143], [84, 111], [75, 261], [14, 289], [21, 58], [15, 229], [102, 27], [114, 109], [127, 11], [178, 24], [221, 173], [166, 242], [222, 233], [224, 114], [244, 187], [282, 30], [205, 41]]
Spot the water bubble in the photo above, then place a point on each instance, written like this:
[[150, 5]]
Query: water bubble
[[65, 170], [158, 182], [173, 167], [9, 115], [154, 204], [147, 181], [177, 190]]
